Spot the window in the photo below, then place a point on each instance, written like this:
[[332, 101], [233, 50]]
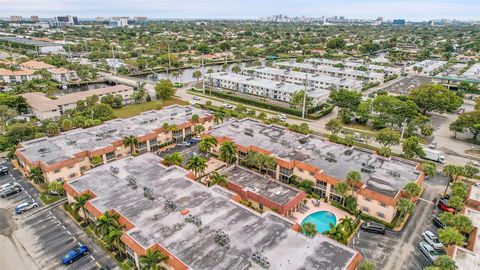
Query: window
[[71, 167], [260, 206], [72, 175], [383, 204], [59, 179], [367, 199], [365, 209], [380, 214], [56, 171], [300, 170], [83, 168]]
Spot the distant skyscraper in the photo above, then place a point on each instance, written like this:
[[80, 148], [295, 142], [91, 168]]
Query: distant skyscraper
[[399, 22], [99, 19], [62, 21], [16, 18], [34, 18], [140, 20]]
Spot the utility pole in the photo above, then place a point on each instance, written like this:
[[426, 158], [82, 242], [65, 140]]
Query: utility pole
[[203, 75], [169, 61], [305, 95], [404, 124], [114, 62]]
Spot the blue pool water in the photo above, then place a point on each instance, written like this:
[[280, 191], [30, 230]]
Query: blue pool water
[[321, 219]]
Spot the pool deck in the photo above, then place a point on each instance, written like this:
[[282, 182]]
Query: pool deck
[[339, 214]]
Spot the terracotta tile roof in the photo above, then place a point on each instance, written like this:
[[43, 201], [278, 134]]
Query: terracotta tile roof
[[60, 71], [36, 65], [22, 72]]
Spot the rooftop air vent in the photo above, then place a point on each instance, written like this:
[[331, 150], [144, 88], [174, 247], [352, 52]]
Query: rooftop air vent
[[260, 259], [171, 204], [148, 193], [114, 169], [221, 237], [394, 173], [195, 220], [131, 182]]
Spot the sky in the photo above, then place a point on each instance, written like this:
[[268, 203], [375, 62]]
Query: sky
[[414, 10]]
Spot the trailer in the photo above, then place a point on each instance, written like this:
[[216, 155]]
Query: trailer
[[434, 155]]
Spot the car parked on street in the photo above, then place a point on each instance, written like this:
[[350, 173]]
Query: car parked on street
[[196, 98], [75, 254], [373, 227], [228, 106], [443, 205], [9, 185], [23, 207], [432, 240], [429, 252], [10, 191], [438, 223], [3, 170]]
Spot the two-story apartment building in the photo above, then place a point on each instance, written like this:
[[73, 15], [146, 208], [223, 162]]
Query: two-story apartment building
[[71, 153], [44, 107], [307, 157], [199, 227], [58, 74], [16, 76], [387, 70]]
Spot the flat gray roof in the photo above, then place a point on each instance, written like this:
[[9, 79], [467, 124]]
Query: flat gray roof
[[352, 64], [156, 222], [266, 187], [430, 65], [384, 175], [29, 41], [58, 148], [366, 74]]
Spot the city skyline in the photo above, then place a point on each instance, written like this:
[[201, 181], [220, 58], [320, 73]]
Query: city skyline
[[242, 9]]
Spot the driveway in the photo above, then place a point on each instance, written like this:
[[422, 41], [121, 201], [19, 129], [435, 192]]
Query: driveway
[[398, 250]]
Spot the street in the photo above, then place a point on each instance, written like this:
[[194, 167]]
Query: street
[[38, 238]]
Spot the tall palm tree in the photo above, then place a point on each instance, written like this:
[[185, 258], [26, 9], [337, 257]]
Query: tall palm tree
[[347, 223], [452, 172], [104, 222], [219, 117], [197, 164], [173, 159], [250, 159], [404, 207], [36, 175], [207, 144], [151, 259], [197, 74], [228, 152], [113, 237], [353, 177], [219, 179], [79, 204], [131, 141], [195, 119], [269, 163]]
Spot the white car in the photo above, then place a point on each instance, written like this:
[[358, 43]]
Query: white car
[[228, 106], [432, 240], [196, 98], [9, 185]]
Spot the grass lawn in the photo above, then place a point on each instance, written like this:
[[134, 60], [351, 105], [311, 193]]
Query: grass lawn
[[47, 199], [134, 109]]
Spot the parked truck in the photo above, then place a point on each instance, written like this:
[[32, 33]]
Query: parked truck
[[434, 155]]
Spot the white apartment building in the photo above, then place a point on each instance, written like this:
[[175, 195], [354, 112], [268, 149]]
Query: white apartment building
[[14, 76], [366, 76], [388, 71], [296, 77], [426, 67], [262, 87]]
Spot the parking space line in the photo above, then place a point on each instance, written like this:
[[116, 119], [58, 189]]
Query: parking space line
[[92, 257]]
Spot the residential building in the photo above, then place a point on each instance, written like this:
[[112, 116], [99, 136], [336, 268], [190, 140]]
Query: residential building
[[426, 67], [263, 192], [366, 76], [44, 107], [279, 91], [58, 74], [16, 18], [308, 157], [14, 76], [388, 71], [296, 77], [71, 153], [37, 46], [473, 72], [36, 65], [141, 20], [118, 21], [198, 227], [34, 19], [399, 22]]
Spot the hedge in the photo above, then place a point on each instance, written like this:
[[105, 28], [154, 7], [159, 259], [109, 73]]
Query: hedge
[[317, 111], [374, 219]]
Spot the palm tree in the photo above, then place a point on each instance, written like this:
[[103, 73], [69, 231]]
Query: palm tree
[[219, 117], [173, 159], [207, 144], [131, 141], [353, 178], [250, 159], [444, 262], [176, 75], [412, 190], [404, 207], [452, 172], [104, 222], [79, 204], [113, 237], [269, 163], [228, 152], [197, 164], [309, 229], [338, 233], [342, 188], [199, 129], [36, 175], [195, 119], [197, 74], [347, 223], [152, 258], [236, 69], [219, 179]]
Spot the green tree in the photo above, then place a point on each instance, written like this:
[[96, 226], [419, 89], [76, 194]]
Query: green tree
[[132, 142], [452, 172], [411, 147], [165, 90], [297, 99], [92, 100], [456, 202], [152, 259], [36, 176], [450, 236], [56, 187], [344, 98], [197, 164], [197, 74], [6, 114], [444, 262], [102, 112], [459, 189], [309, 229], [404, 208], [52, 129], [207, 144], [104, 222], [353, 178], [114, 238], [468, 120], [79, 204], [173, 159], [388, 137], [366, 265], [435, 97], [462, 223], [342, 188], [236, 69], [218, 179], [334, 126], [228, 152], [199, 129], [429, 168], [412, 190], [67, 124], [470, 170]]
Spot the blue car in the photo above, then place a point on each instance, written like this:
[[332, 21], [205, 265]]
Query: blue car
[[25, 206], [75, 254]]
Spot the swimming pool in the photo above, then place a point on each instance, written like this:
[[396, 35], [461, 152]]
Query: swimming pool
[[321, 219]]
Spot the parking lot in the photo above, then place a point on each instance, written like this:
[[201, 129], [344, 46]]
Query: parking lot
[[405, 85], [398, 250]]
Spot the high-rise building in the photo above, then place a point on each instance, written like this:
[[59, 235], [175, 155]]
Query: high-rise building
[[118, 21], [16, 18], [61, 21], [34, 18], [140, 20], [399, 22]]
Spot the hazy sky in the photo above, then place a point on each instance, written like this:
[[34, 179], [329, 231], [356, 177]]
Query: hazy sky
[[389, 9]]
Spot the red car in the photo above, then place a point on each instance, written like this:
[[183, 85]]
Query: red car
[[443, 205]]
